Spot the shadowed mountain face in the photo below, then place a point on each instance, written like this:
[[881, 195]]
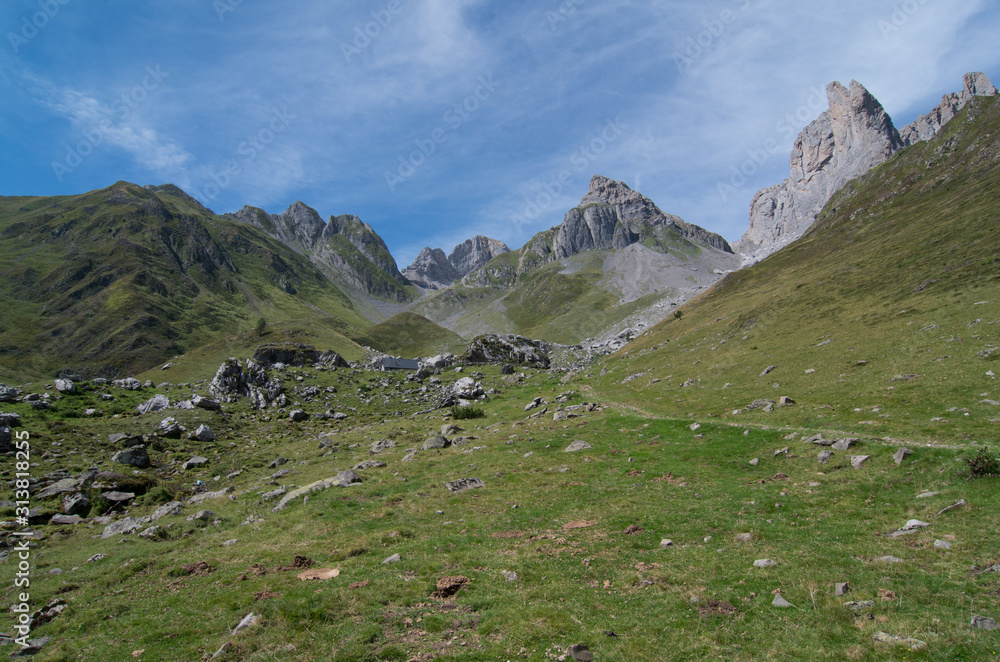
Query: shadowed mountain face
[[845, 142], [348, 251], [120, 279]]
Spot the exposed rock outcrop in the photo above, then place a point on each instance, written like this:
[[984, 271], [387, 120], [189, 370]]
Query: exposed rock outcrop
[[507, 349], [432, 270], [233, 380], [926, 126], [843, 143], [346, 250]]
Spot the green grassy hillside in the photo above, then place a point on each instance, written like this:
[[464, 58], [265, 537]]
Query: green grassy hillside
[[881, 319], [411, 336], [119, 280]]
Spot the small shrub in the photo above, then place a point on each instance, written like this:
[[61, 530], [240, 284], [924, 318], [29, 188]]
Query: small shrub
[[464, 413], [983, 465], [98, 506], [157, 496]]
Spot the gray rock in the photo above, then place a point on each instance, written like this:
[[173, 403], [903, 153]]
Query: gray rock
[[274, 494], [167, 510], [781, 603], [431, 270], [205, 496], [125, 440], [65, 519], [234, 380], [467, 388], [203, 433], [858, 460], [898, 640], [8, 393], [824, 456], [153, 533], [278, 461], [248, 621], [889, 559], [64, 486], [381, 445], [450, 429], [927, 126], [395, 558], [942, 544], [342, 479], [369, 464], [195, 461], [764, 563], [128, 384], [537, 402], [409, 457], [842, 588], [578, 445], [512, 349], [169, 429], [762, 405], [76, 504], [10, 420], [298, 415], [206, 403], [135, 457], [202, 516], [124, 526], [580, 653], [6, 439], [464, 484], [66, 386], [984, 623], [436, 442], [158, 402], [901, 455], [860, 605], [118, 497], [845, 444]]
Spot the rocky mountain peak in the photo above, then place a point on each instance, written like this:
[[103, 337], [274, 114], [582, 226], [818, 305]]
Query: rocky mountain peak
[[432, 270], [844, 142]]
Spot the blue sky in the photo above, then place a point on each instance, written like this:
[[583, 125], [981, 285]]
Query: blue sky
[[434, 120]]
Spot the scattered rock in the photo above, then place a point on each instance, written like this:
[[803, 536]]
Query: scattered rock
[[248, 621], [785, 401], [463, 484], [134, 457], [76, 504], [298, 415], [342, 479], [156, 403], [764, 563], [897, 640], [781, 603], [768, 370], [206, 403], [858, 460], [511, 349], [843, 588], [195, 461], [124, 526], [203, 433], [577, 445], [65, 519], [202, 516], [167, 510], [436, 443], [901, 455], [381, 445], [984, 623], [762, 405], [957, 504], [66, 386], [942, 544], [845, 444], [824, 456], [369, 464], [395, 558], [169, 428], [467, 388], [322, 574], [889, 559]]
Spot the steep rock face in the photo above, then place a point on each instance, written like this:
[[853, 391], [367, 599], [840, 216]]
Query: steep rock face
[[346, 250], [926, 126], [473, 253], [431, 270], [846, 141], [843, 143]]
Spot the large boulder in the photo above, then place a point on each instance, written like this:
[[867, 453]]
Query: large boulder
[[512, 349], [233, 381], [289, 353], [135, 457], [8, 393], [467, 388], [158, 402], [66, 386]]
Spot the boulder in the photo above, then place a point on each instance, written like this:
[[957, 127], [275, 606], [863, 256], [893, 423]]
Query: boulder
[[124, 526], [234, 380], [381, 445], [203, 433], [512, 349], [135, 457], [158, 402], [206, 403], [76, 504], [128, 384], [8, 393], [467, 388], [124, 440], [6, 439], [169, 428], [167, 510], [577, 445], [436, 442], [463, 484], [342, 479], [195, 461], [66, 386]]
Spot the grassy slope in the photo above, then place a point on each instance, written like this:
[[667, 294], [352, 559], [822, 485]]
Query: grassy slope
[[411, 336], [821, 525], [123, 278], [899, 277]]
